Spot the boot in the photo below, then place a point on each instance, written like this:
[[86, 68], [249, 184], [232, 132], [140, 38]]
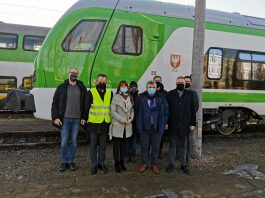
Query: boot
[[122, 165], [117, 167]]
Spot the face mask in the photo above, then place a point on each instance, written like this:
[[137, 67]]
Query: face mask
[[187, 85], [151, 91], [124, 89], [180, 87], [73, 78], [102, 85]]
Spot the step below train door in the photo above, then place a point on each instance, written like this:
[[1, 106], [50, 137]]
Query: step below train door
[[130, 44]]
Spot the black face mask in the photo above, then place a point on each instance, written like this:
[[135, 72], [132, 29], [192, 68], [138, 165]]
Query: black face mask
[[187, 85], [180, 87], [73, 78], [101, 85], [133, 90]]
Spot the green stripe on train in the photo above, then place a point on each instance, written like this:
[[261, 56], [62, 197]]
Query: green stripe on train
[[233, 97]]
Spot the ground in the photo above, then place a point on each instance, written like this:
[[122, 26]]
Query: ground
[[228, 168], [33, 172]]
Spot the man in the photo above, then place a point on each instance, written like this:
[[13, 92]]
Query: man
[[160, 89], [131, 143], [98, 109], [151, 121], [182, 119], [67, 114], [188, 83]]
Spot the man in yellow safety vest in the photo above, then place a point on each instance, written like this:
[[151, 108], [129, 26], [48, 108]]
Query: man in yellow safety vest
[[98, 109]]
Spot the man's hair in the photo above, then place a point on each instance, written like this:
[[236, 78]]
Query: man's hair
[[188, 77], [102, 75], [150, 83], [180, 77], [157, 77]]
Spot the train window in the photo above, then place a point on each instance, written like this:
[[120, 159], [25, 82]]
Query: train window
[[32, 43], [251, 66], [84, 36], [7, 83], [128, 40], [27, 83], [8, 41], [215, 61]]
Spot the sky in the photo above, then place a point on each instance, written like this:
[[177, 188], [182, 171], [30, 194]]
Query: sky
[[47, 12]]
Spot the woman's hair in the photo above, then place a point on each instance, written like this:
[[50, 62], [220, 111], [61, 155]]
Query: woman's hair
[[123, 82]]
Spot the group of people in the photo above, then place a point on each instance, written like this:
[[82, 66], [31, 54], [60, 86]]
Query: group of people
[[123, 116]]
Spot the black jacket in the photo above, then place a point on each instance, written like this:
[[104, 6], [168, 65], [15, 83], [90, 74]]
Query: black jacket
[[60, 100], [182, 113]]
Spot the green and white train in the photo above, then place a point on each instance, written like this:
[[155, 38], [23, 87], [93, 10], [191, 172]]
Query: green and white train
[[137, 39], [19, 45]]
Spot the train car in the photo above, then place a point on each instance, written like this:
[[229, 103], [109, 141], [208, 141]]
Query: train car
[[19, 45], [135, 40]]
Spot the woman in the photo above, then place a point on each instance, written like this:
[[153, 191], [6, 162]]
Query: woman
[[122, 114]]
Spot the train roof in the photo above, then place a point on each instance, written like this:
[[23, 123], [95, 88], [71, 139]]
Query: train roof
[[172, 10], [23, 29]]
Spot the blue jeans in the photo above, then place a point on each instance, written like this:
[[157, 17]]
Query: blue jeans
[[153, 139], [69, 134]]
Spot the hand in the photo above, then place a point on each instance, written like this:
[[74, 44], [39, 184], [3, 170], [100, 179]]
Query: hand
[[83, 122], [58, 122], [166, 127], [192, 128]]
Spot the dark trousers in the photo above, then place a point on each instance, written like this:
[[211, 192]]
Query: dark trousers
[[181, 142], [98, 147], [119, 149], [131, 146], [152, 138]]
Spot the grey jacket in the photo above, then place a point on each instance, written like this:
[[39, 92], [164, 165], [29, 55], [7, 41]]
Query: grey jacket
[[119, 114]]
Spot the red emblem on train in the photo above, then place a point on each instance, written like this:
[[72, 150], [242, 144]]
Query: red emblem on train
[[175, 60]]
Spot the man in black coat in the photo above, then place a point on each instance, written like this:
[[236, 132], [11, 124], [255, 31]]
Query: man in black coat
[[67, 114], [182, 119]]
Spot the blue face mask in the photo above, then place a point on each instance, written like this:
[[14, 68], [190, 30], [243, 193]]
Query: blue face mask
[[124, 89], [151, 91]]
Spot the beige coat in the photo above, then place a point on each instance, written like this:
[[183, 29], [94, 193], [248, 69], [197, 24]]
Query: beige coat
[[119, 114]]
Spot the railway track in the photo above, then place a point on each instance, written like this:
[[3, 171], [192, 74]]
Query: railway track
[[33, 138]]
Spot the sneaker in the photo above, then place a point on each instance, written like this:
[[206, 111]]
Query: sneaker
[[155, 170], [72, 166], [103, 168], [63, 167], [142, 168], [93, 170], [185, 169], [170, 168]]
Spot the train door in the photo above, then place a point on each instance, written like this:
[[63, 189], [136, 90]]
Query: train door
[[131, 42]]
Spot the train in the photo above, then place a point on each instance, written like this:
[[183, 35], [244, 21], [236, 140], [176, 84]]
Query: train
[[136, 40], [19, 45]]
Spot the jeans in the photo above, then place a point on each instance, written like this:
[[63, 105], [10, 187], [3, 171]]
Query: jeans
[[97, 156], [131, 146], [181, 142], [152, 138], [69, 132]]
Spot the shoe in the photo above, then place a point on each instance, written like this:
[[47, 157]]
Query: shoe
[[117, 167], [155, 170], [94, 170], [185, 169], [170, 168], [103, 168], [142, 168], [72, 166], [122, 165], [63, 167]]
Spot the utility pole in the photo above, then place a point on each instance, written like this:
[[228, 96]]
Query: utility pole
[[197, 72]]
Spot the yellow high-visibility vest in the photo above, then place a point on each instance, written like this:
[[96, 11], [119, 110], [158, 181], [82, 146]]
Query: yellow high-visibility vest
[[100, 110]]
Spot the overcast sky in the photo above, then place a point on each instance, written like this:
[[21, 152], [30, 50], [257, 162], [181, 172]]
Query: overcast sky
[[47, 12]]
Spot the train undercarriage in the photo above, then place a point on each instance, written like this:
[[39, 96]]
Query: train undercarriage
[[227, 120]]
